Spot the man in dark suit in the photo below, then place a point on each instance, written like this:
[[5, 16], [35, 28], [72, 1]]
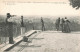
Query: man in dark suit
[[57, 24], [43, 27]]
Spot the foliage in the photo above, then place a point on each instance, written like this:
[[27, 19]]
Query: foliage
[[75, 3]]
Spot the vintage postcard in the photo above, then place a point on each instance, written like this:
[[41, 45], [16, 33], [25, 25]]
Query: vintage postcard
[[39, 25]]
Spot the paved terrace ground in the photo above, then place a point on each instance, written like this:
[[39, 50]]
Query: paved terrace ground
[[50, 41]]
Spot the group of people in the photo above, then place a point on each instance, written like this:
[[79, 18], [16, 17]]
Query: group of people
[[63, 24]]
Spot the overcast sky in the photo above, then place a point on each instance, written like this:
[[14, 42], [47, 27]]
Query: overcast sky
[[54, 8]]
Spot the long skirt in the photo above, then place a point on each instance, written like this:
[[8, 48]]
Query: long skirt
[[66, 27]]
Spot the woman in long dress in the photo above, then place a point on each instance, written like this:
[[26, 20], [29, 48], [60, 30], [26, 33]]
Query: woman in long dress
[[66, 25]]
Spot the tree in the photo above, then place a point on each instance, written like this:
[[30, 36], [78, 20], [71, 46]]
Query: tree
[[75, 3]]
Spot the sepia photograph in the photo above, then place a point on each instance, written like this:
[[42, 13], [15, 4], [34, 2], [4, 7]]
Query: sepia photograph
[[39, 25]]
